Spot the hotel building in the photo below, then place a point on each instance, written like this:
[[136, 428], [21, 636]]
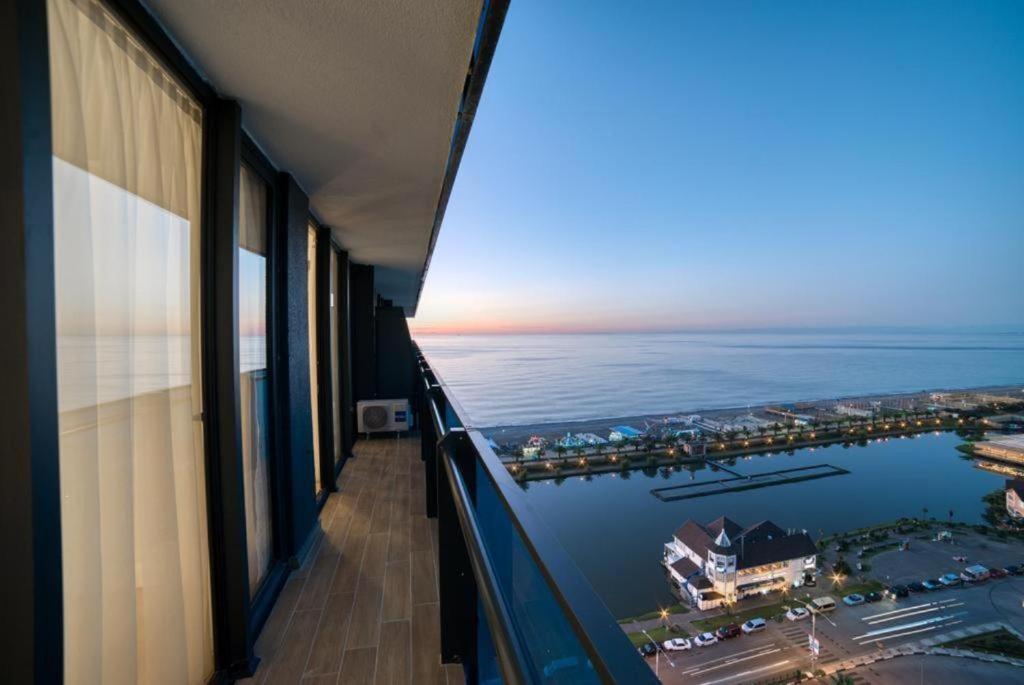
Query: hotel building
[[722, 562]]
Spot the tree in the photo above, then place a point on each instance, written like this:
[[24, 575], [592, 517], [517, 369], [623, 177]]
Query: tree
[[560, 449]]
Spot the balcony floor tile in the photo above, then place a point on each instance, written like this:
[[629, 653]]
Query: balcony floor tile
[[363, 607]]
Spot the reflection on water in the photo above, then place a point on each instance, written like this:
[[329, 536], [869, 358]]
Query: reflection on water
[[615, 528]]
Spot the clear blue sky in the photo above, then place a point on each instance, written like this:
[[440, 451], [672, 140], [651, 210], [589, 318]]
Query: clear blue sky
[[741, 164]]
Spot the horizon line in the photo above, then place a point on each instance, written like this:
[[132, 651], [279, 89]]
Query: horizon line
[[1004, 329]]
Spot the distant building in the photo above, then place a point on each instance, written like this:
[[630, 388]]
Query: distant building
[[1015, 498], [723, 562], [847, 410], [534, 446], [1005, 448], [1004, 421], [592, 439], [620, 433], [695, 449], [571, 441]]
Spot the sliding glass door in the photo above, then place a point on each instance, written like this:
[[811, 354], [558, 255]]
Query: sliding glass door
[[314, 385], [336, 305], [127, 168], [253, 384]]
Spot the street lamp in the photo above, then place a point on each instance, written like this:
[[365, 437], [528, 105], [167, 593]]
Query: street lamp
[[658, 651], [814, 627]]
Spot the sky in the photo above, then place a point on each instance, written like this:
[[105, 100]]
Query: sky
[[723, 165]]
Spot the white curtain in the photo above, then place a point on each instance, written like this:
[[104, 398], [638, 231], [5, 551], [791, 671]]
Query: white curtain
[[313, 386], [127, 166], [252, 335]]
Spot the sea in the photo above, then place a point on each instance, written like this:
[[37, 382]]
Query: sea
[[503, 380]]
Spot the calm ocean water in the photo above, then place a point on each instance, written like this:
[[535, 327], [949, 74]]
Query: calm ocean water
[[520, 379]]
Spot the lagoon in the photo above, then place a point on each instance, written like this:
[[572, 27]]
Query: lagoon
[[614, 528]]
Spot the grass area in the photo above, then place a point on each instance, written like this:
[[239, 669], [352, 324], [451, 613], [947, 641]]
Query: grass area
[[858, 588], [674, 609], [999, 641], [878, 549], [659, 634], [765, 612]]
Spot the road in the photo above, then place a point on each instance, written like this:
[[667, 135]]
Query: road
[[857, 631]]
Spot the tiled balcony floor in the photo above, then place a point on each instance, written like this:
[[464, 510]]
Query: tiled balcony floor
[[364, 606]]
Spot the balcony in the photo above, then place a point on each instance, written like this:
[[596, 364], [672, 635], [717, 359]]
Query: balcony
[[376, 602], [364, 606]]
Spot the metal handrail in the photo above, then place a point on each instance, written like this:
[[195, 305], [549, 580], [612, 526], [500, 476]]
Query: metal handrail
[[510, 652], [609, 651]]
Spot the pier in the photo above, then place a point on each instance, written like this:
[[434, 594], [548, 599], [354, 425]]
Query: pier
[[740, 482]]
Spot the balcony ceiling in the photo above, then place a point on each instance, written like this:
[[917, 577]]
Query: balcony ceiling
[[357, 99]]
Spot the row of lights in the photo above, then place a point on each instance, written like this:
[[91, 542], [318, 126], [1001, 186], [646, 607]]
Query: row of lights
[[746, 443]]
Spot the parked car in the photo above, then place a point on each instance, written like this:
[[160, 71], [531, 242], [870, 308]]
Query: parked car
[[754, 625], [823, 605], [932, 584], [951, 580], [677, 644], [897, 591], [705, 640], [1014, 570], [853, 600], [872, 597], [729, 631], [647, 649], [916, 587], [797, 614], [997, 573], [975, 574]]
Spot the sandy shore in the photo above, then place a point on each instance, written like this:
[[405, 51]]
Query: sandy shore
[[519, 434]]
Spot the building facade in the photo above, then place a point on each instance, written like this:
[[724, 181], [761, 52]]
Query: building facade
[[723, 562], [1015, 498]]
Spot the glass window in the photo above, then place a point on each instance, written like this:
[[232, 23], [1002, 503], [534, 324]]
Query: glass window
[[314, 388], [335, 375], [253, 379], [127, 151]]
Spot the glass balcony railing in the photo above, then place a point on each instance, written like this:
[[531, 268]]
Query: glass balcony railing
[[514, 606]]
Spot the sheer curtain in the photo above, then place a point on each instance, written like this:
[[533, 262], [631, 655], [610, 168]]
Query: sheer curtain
[[314, 388], [253, 380], [127, 164]]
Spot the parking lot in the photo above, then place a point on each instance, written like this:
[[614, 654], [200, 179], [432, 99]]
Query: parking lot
[[928, 559], [851, 631]]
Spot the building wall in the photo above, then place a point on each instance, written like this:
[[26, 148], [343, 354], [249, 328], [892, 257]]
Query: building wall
[[1014, 504]]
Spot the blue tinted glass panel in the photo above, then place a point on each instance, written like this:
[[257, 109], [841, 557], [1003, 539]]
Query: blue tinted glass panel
[[551, 647]]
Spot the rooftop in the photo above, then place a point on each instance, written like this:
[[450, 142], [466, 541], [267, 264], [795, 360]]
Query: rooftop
[[759, 544]]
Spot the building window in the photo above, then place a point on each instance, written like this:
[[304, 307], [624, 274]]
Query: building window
[[253, 376], [127, 153], [314, 386]]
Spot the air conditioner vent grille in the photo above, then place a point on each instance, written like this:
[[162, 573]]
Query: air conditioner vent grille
[[375, 417]]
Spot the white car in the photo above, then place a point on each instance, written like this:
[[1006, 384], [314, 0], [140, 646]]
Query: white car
[[950, 579], [754, 625], [797, 614], [705, 640], [676, 644]]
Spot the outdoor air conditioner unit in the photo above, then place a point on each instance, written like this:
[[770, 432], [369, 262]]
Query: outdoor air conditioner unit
[[382, 416]]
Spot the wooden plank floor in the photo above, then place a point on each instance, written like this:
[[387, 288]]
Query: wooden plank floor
[[363, 608]]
